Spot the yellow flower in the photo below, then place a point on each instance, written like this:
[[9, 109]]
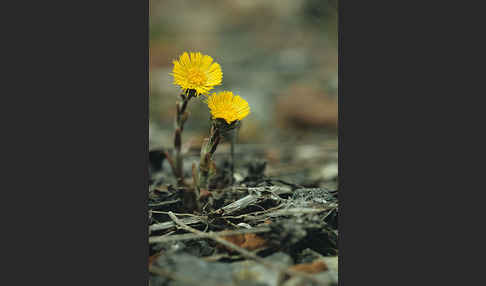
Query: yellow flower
[[228, 107], [196, 71]]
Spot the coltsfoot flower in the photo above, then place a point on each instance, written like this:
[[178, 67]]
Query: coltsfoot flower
[[226, 106], [196, 71]]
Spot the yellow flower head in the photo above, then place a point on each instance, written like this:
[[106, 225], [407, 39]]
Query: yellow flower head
[[196, 71], [228, 107]]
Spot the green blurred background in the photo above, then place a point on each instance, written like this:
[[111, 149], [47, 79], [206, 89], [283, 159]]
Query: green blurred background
[[279, 55]]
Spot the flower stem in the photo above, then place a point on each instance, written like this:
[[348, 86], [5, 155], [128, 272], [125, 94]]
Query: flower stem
[[207, 150], [181, 117], [233, 142]]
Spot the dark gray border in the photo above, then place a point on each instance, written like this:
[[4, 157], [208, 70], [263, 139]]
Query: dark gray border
[[76, 171], [77, 167], [383, 222]]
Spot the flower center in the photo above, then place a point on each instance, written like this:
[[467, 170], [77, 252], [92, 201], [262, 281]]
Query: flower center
[[196, 77], [229, 114]]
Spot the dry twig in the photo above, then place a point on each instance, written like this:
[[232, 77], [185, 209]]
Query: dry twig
[[188, 236], [243, 251], [170, 224], [254, 197]]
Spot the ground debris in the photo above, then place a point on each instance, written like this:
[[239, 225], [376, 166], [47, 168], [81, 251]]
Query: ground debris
[[184, 269], [249, 241], [316, 266], [188, 270], [312, 196], [260, 231]]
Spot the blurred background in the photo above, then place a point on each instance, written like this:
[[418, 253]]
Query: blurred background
[[279, 55]]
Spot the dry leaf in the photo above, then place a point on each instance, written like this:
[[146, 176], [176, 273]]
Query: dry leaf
[[311, 268], [248, 241], [153, 258], [253, 241]]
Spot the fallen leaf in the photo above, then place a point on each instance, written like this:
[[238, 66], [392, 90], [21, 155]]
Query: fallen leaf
[[311, 268], [238, 239], [248, 241], [153, 258], [253, 241]]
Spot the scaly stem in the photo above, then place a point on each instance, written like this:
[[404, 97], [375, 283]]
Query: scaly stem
[[207, 150], [234, 133], [181, 117]]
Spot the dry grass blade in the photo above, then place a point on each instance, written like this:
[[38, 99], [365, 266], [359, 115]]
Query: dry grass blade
[[256, 195], [188, 236], [171, 224]]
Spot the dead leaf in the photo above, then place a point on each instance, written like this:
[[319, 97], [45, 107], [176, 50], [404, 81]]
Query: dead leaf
[[153, 258], [315, 267], [253, 241], [248, 241]]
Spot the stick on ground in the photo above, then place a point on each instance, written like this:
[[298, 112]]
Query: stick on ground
[[242, 251]]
